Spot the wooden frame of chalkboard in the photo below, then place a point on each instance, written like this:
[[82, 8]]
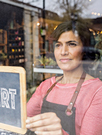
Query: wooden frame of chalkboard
[[13, 99]]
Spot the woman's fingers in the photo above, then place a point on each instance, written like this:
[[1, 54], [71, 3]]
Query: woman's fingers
[[57, 132], [42, 120], [45, 124], [39, 117], [52, 127], [39, 123]]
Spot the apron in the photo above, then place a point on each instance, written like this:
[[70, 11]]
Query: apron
[[65, 113]]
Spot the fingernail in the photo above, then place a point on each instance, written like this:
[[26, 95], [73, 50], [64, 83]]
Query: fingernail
[[36, 132], [27, 126], [27, 121]]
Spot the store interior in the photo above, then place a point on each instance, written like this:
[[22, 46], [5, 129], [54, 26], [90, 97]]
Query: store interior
[[11, 35]]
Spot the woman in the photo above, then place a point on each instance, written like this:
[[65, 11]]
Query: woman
[[57, 107]]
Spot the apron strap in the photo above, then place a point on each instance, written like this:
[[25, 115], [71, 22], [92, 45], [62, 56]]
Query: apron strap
[[72, 102], [52, 86]]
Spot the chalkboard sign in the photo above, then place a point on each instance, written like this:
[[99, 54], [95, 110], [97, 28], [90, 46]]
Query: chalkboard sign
[[13, 99]]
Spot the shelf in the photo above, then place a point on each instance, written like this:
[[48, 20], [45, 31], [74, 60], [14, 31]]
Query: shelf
[[16, 64], [17, 61], [21, 28], [16, 58], [45, 70], [14, 40], [10, 53], [10, 34], [17, 46], [3, 59], [2, 44]]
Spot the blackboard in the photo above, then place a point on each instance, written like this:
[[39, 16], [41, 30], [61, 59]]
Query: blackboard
[[13, 99]]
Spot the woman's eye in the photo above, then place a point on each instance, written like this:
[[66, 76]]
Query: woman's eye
[[57, 45], [72, 44]]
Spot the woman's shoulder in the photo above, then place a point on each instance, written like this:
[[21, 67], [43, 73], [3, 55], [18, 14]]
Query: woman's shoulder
[[89, 77], [49, 80], [92, 79], [47, 83], [93, 83], [44, 86]]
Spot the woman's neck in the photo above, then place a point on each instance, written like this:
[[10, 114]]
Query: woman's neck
[[72, 76]]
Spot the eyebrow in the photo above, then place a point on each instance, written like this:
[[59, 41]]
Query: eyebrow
[[68, 41], [72, 41]]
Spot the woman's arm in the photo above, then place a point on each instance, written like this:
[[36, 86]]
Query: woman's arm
[[34, 110], [92, 121], [35, 102]]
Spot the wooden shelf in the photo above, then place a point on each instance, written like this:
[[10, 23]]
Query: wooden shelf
[[15, 34], [16, 52], [3, 48], [2, 44], [16, 58], [16, 46], [17, 64], [14, 40], [3, 59]]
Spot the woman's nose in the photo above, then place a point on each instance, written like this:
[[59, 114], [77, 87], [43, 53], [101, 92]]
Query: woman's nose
[[64, 50]]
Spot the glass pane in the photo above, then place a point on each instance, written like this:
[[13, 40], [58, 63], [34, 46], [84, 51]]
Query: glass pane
[[90, 11], [50, 39]]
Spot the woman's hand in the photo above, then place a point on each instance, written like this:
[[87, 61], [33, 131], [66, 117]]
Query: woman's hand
[[45, 124]]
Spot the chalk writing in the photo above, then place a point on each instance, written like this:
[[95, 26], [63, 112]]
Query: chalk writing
[[5, 97]]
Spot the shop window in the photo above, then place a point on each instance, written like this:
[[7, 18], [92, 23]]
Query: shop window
[[12, 34]]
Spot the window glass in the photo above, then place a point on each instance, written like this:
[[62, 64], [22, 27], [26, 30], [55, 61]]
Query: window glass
[[29, 38], [90, 11]]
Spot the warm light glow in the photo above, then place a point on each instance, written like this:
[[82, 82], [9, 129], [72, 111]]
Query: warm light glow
[[94, 33], [101, 32], [89, 0], [90, 30], [95, 13], [55, 27], [98, 14], [38, 23]]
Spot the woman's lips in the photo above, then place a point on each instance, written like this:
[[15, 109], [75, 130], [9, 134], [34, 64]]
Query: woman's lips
[[65, 60]]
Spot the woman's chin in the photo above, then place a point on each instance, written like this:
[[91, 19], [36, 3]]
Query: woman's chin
[[70, 68], [65, 68]]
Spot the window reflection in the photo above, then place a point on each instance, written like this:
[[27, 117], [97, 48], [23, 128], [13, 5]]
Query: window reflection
[[26, 36]]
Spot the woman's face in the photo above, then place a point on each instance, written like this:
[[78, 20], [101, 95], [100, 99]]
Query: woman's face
[[68, 51]]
